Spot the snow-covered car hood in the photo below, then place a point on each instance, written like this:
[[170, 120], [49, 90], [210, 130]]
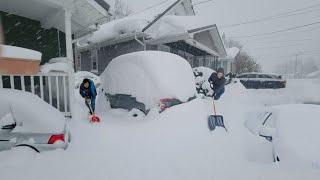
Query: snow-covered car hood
[[31, 113]]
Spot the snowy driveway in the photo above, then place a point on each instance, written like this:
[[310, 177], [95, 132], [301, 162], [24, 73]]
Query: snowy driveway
[[175, 145]]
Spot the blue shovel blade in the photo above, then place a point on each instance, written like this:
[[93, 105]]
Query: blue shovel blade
[[215, 121]]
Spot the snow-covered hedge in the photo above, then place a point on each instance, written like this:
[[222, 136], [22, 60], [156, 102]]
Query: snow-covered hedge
[[202, 75]]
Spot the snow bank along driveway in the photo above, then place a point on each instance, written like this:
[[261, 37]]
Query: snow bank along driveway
[[173, 145]]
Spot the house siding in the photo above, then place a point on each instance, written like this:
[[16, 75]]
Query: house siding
[[27, 33], [107, 53]]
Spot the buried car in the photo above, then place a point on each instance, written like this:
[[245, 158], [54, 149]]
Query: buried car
[[148, 79], [294, 136], [28, 121]]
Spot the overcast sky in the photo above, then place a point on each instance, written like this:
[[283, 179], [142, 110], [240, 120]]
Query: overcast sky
[[271, 49]]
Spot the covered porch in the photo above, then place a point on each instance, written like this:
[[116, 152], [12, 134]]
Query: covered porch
[[68, 19]]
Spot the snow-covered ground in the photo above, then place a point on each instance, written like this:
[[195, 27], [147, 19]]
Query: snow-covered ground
[[175, 144]]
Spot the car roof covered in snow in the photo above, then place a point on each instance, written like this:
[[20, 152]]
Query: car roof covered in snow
[[34, 114], [150, 76]]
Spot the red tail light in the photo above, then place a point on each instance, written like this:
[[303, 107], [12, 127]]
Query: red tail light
[[57, 137], [165, 103]]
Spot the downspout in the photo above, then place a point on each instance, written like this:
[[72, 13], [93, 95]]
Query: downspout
[[141, 42]]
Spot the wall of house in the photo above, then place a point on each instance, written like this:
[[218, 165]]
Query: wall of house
[[27, 33], [106, 54]]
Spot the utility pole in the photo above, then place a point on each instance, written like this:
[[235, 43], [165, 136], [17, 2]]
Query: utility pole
[[296, 67]]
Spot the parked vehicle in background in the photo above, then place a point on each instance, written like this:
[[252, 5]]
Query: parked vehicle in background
[[144, 80], [27, 121], [262, 81]]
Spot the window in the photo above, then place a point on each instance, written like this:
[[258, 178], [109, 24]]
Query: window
[[251, 76], [163, 48], [264, 76], [243, 76], [94, 61]]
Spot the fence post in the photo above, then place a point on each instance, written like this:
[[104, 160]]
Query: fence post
[[32, 84], [57, 89], [50, 91], [65, 94], [1, 86], [23, 88], [11, 82], [41, 87]]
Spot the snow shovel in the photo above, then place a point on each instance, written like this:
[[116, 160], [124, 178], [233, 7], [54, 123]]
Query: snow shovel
[[94, 118], [215, 120]]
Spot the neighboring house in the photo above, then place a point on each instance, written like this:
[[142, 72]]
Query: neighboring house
[[171, 27], [46, 26], [228, 62]]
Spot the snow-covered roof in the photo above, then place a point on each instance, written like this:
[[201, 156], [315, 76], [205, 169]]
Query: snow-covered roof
[[232, 52], [174, 25], [135, 23], [20, 53]]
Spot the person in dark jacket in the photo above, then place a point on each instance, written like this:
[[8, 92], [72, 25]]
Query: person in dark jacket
[[217, 82], [88, 92]]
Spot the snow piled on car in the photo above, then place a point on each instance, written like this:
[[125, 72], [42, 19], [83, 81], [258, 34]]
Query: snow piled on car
[[297, 135], [30, 112], [150, 76]]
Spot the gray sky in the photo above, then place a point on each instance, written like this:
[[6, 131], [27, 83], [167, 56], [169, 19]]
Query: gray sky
[[268, 50]]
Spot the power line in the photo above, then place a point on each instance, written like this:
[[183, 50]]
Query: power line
[[277, 16], [301, 53], [285, 41], [276, 35], [150, 7], [202, 2], [279, 31], [274, 47]]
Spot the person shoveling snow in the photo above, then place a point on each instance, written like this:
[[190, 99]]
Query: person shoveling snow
[[88, 92], [217, 82]]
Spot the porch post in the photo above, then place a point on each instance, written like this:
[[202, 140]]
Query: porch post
[[69, 52], [67, 21]]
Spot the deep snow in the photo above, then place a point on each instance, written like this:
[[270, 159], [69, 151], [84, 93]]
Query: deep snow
[[173, 145]]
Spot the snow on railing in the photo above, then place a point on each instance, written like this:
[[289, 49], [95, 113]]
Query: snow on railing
[[51, 87]]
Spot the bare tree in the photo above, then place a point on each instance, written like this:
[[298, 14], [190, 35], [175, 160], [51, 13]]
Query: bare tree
[[243, 62], [121, 9]]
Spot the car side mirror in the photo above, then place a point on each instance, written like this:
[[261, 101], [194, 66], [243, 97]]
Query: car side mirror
[[268, 132]]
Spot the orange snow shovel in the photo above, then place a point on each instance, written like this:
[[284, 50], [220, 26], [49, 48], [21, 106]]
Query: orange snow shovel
[[94, 118], [215, 120]]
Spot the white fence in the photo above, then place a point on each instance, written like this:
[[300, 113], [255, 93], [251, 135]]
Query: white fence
[[51, 87]]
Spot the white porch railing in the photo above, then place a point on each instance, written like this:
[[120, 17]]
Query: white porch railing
[[51, 87]]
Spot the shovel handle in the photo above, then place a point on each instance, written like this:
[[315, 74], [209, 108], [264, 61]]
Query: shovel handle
[[214, 108]]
